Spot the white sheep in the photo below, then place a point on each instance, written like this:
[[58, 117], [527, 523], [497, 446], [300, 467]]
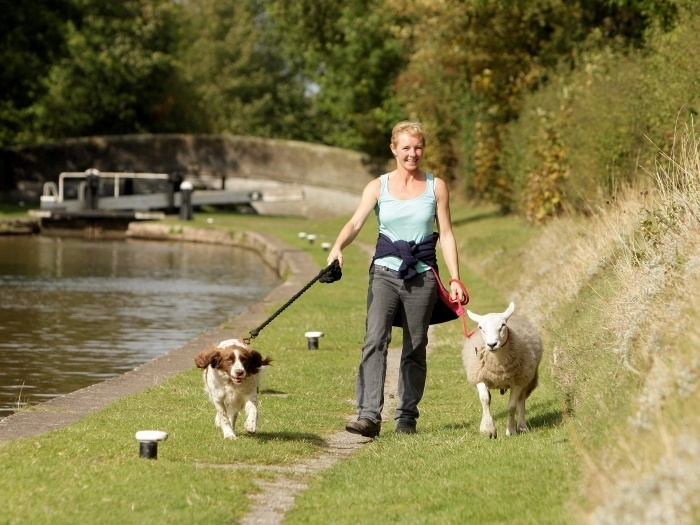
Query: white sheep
[[504, 352]]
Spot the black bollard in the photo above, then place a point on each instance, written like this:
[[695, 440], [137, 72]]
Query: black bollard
[[92, 188], [148, 442], [148, 449], [186, 201], [174, 179], [312, 339]]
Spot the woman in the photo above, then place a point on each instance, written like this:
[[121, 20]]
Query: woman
[[408, 202]]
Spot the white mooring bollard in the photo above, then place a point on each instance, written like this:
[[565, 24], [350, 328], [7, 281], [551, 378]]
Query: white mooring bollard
[[148, 442]]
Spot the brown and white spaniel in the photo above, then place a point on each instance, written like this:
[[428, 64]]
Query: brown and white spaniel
[[231, 380]]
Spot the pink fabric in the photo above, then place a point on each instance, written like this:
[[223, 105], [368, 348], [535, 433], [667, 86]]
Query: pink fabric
[[444, 296]]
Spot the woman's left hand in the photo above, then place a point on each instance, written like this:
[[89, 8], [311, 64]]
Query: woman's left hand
[[458, 292]]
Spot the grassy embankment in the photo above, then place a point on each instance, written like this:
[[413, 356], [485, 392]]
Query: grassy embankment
[[613, 422]]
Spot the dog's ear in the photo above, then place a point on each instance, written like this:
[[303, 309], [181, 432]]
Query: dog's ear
[[215, 359], [208, 357], [257, 361]]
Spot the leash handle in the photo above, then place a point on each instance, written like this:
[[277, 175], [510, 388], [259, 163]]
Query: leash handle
[[464, 289]]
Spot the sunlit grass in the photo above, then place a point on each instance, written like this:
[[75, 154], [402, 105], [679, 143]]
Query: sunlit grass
[[614, 415], [616, 293], [306, 396], [651, 322]]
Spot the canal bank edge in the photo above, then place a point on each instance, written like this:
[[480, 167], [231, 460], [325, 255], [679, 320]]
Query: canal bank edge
[[295, 267], [19, 226]]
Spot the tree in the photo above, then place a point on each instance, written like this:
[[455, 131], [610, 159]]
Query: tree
[[349, 60], [32, 39], [232, 62], [114, 76], [473, 62]]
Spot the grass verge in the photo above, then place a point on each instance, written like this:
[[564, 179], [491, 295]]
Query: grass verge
[[613, 422], [90, 471]]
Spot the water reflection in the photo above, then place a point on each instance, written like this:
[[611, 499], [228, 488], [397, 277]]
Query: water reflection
[[75, 312]]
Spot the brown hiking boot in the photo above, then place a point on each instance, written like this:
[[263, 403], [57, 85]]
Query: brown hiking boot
[[403, 427], [364, 427]]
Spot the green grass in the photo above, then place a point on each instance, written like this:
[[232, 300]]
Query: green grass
[[14, 211], [613, 422], [448, 473]]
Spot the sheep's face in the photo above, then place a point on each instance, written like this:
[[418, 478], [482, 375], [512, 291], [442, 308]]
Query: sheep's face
[[493, 327]]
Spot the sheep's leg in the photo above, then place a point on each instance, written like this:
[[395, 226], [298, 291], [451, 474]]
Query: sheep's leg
[[522, 424], [487, 426], [251, 422], [514, 403]]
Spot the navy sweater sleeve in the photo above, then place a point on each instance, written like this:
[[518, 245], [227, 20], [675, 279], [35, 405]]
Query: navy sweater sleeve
[[410, 253]]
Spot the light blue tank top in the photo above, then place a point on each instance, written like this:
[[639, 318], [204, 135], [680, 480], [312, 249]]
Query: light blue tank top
[[406, 220]]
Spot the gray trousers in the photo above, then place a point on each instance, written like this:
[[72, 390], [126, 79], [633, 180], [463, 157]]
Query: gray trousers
[[415, 297]]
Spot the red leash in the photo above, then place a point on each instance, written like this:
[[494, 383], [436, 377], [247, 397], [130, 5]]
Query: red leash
[[464, 301]]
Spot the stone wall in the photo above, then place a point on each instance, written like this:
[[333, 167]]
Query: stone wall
[[334, 177]]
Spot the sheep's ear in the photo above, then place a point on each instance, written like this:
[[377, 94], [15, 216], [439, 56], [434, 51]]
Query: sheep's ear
[[474, 317], [509, 311]]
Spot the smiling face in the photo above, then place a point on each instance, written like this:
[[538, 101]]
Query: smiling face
[[408, 150]]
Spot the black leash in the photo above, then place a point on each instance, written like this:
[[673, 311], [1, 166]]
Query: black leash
[[330, 274]]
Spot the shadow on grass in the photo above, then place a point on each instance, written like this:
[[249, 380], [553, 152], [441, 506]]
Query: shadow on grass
[[271, 392], [538, 415], [546, 414], [466, 425], [476, 218]]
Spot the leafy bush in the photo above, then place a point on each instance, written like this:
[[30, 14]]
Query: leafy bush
[[603, 124]]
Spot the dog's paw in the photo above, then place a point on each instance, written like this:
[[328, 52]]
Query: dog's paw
[[229, 435]]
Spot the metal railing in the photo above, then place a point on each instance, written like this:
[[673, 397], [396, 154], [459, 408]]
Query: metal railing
[[57, 193]]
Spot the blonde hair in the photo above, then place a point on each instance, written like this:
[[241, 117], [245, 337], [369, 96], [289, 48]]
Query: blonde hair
[[414, 129]]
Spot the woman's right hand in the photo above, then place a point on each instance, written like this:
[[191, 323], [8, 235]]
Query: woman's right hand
[[335, 254]]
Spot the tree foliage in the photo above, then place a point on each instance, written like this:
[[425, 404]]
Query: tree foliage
[[235, 69], [111, 79], [480, 59], [503, 87], [349, 61], [32, 40]]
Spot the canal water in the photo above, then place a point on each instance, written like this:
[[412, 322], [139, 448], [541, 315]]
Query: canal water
[[75, 312]]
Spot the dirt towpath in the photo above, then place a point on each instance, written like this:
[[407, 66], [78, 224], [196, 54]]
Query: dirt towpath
[[276, 497]]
